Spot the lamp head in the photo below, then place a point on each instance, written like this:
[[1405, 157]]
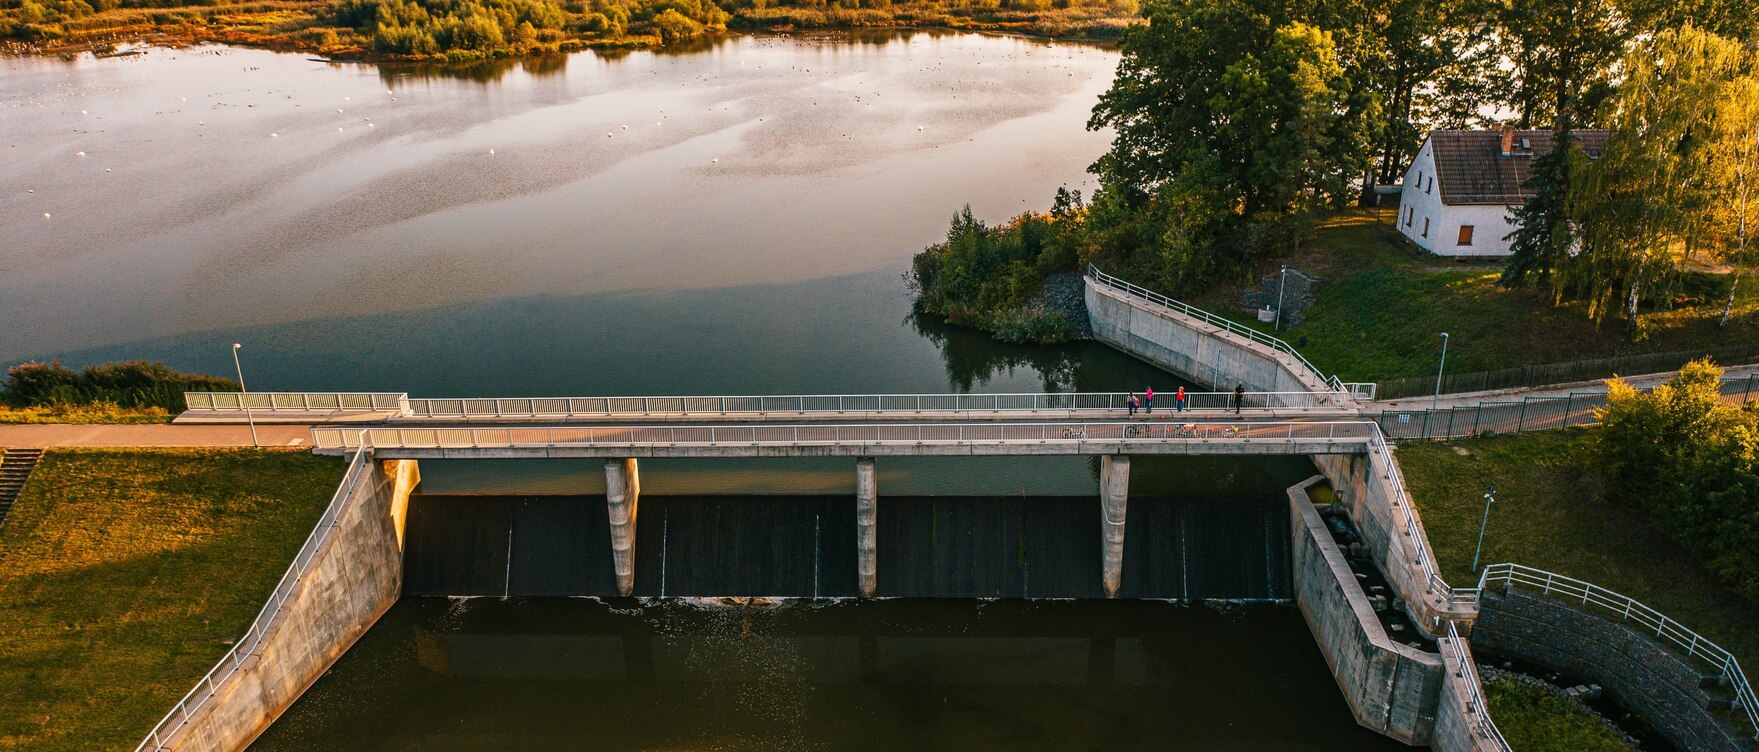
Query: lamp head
[[235, 345]]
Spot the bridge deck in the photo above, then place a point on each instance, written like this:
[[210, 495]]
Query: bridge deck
[[854, 440]]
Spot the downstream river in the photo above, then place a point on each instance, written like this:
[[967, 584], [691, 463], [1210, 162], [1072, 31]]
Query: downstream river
[[732, 219]]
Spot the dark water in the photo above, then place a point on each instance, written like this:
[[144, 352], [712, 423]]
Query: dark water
[[579, 674]]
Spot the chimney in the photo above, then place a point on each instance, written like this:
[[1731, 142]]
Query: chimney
[[1508, 140]]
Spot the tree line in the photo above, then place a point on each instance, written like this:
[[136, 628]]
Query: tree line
[[1239, 122]]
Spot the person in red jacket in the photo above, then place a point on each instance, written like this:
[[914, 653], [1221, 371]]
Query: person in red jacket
[[1148, 400], [1179, 400]]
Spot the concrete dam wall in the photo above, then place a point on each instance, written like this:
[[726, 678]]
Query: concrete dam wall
[[805, 546]]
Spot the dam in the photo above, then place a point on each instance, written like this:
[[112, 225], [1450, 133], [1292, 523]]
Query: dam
[[619, 538]]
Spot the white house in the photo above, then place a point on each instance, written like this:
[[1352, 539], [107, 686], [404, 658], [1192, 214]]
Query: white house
[[1461, 188]]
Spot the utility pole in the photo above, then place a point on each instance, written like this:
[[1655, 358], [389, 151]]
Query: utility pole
[[1282, 279], [1434, 403], [1489, 497], [244, 396]]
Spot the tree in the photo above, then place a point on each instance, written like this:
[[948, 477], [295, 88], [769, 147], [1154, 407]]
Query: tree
[[1544, 234], [1562, 52], [1645, 201], [1734, 164]]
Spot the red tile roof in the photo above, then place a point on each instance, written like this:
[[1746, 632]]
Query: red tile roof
[[1471, 169]]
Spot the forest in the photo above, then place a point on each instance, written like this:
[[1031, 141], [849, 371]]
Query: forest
[[1241, 124], [462, 30]]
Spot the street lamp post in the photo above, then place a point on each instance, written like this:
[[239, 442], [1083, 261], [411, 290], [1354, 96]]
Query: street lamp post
[[1489, 497], [244, 396], [1436, 402], [1282, 279]]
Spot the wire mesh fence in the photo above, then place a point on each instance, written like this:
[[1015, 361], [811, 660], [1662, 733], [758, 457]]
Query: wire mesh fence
[[1526, 377]]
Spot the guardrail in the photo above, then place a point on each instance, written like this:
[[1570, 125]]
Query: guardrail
[[1226, 324], [295, 401], [1412, 529], [989, 434], [803, 404], [161, 734], [1477, 710], [1629, 610]]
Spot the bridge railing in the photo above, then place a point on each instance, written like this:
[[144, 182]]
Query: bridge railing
[[242, 651], [1411, 528], [805, 404], [1628, 610], [352, 438], [200, 402], [1230, 326], [1477, 709]]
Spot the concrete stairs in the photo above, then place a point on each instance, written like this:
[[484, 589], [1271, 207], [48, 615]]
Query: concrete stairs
[[15, 467]]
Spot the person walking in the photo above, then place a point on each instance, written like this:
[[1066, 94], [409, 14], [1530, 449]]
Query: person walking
[[1179, 400], [1148, 400], [1239, 397], [1133, 404]]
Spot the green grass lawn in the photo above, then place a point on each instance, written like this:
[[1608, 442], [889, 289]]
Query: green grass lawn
[[1551, 513], [125, 574], [1383, 305], [1534, 720], [84, 414]]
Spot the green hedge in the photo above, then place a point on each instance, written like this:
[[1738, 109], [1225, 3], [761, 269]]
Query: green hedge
[[128, 384]]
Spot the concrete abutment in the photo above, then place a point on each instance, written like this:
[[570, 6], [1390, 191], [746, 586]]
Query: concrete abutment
[[622, 497], [866, 534], [1114, 499]]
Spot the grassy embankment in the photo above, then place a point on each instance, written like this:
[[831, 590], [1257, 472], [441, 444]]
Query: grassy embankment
[[125, 574], [320, 26], [1534, 720], [1383, 304], [84, 414], [1552, 512]]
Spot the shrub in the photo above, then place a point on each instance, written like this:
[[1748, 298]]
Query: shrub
[[129, 384]]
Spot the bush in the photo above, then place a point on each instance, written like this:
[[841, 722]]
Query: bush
[[1691, 461], [130, 384], [989, 278]]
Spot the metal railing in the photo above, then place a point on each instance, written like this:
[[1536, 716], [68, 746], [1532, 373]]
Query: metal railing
[[1225, 324], [295, 401], [1411, 528], [1542, 374], [1629, 610], [1477, 709], [858, 435], [246, 647], [1525, 414], [804, 404]]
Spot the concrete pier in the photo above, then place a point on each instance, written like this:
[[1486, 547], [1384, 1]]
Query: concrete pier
[[622, 495], [1114, 497], [866, 536]]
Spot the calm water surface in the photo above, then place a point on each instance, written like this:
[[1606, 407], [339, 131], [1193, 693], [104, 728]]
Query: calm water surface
[[732, 219]]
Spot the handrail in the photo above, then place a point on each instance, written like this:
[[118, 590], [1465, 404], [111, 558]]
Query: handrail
[[800, 404], [295, 401], [1229, 325], [1629, 609], [246, 647], [1478, 710], [1413, 529], [862, 434]]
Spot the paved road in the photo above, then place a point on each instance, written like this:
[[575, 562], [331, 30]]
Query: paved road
[[1469, 399]]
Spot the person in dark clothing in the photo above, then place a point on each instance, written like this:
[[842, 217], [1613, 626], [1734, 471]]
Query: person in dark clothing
[[1239, 397], [1133, 404]]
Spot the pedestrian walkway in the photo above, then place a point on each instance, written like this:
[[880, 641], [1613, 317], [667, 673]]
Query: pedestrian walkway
[[1555, 391], [152, 435]]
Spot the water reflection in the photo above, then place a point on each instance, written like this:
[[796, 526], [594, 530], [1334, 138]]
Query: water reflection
[[478, 71], [889, 675]]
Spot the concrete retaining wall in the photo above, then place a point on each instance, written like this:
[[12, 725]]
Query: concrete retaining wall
[[1392, 688], [1638, 672], [1190, 348], [1362, 483], [1456, 728], [354, 577]]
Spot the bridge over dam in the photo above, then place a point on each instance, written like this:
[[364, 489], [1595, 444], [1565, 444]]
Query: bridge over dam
[[382, 537]]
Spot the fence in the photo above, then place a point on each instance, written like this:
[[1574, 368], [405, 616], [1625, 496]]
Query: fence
[[294, 401], [1230, 326], [1477, 710], [843, 404], [864, 435], [1412, 528], [1526, 414], [1630, 611], [243, 650], [1527, 377]]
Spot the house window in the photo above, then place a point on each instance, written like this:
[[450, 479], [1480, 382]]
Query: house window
[[1426, 227], [1410, 213], [1431, 184], [1465, 234]]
